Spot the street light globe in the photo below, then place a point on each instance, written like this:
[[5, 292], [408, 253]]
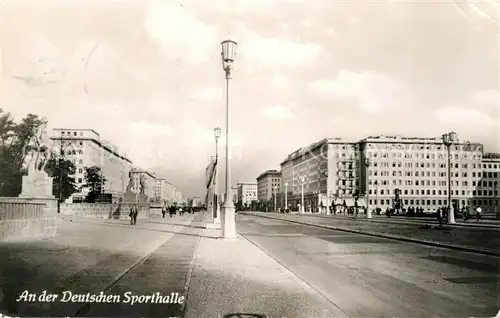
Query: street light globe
[[228, 51], [302, 180], [286, 184], [217, 132]]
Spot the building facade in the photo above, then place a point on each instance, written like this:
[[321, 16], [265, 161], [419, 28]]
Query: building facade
[[163, 191], [247, 192], [320, 173], [418, 169], [268, 185], [486, 182], [375, 168], [85, 148]]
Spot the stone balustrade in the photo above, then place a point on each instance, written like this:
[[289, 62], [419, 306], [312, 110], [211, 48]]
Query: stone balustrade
[[26, 218], [103, 210]]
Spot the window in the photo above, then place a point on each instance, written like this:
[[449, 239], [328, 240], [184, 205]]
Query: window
[[80, 180]]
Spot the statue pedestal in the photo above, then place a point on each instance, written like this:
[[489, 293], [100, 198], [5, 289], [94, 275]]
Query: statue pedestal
[[37, 184]]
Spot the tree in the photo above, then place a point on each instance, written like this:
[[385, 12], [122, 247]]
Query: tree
[[61, 171], [14, 147], [94, 181]]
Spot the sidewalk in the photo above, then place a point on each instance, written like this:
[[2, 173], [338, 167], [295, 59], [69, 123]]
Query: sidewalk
[[472, 239], [235, 276], [412, 220], [85, 256]]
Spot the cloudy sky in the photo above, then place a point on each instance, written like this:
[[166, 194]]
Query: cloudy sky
[[147, 75]]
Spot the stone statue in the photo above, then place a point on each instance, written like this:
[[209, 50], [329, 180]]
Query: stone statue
[[40, 149], [143, 185], [130, 180]]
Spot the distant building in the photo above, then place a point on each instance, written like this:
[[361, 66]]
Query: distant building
[[268, 185], [85, 148], [163, 191], [487, 184], [247, 192]]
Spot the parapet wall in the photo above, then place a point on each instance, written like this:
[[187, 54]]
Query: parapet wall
[[103, 210], [27, 218]]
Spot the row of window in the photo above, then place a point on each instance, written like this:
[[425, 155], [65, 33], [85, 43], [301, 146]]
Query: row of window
[[436, 202]]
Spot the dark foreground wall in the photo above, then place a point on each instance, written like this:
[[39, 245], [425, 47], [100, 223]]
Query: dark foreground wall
[[26, 218]]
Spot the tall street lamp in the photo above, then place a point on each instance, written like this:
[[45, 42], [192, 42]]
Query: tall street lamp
[[448, 140], [275, 192], [286, 196], [228, 219], [368, 211], [215, 208], [302, 181]]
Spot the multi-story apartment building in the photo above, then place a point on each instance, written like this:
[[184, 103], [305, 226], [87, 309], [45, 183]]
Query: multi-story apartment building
[[417, 167], [268, 185], [321, 172], [486, 181], [150, 182], [163, 191], [333, 170], [247, 192], [85, 148]]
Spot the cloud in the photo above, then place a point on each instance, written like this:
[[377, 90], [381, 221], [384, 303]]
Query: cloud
[[279, 82], [488, 98], [467, 119], [208, 94], [277, 112], [370, 91], [273, 52], [181, 35], [149, 130]]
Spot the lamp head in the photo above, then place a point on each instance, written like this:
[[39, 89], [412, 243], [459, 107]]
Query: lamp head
[[217, 132], [228, 52]]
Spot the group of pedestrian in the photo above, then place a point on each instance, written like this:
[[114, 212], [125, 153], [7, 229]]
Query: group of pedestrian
[[172, 210]]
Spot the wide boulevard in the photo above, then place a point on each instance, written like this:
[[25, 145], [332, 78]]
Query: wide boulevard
[[373, 277]]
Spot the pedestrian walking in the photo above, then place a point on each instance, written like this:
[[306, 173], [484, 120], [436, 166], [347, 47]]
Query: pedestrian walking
[[163, 211], [478, 213], [133, 215], [439, 213]]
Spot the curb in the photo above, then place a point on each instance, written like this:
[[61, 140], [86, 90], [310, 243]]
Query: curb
[[417, 222], [390, 236]]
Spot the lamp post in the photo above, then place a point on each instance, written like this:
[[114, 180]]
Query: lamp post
[[215, 208], [275, 192], [228, 219], [448, 140], [368, 211], [302, 181], [286, 196]]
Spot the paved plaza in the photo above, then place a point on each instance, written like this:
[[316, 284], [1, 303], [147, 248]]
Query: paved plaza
[[275, 267]]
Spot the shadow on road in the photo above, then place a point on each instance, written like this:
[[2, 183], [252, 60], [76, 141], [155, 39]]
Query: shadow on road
[[132, 227]]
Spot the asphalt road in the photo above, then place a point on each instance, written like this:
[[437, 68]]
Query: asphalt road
[[375, 277], [475, 238]]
